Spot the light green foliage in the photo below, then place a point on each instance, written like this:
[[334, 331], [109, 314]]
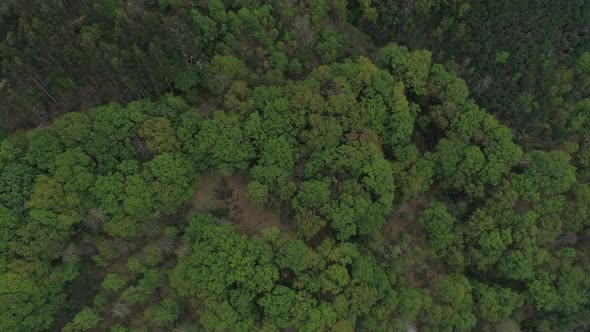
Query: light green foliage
[[109, 191], [84, 320], [478, 152], [411, 67], [246, 262], [171, 177], [584, 63], [137, 192], [412, 301], [222, 139], [447, 86], [502, 57], [548, 173], [579, 121], [9, 224], [366, 198], [121, 226], [114, 282], [277, 305], [43, 148], [517, 265], [412, 173], [27, 304], [543, 294], [72, 129], [400, 120], [16, 181], [577, 208], [152, 254]]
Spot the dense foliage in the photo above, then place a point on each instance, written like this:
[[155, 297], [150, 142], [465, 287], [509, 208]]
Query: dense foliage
[[402, 202]]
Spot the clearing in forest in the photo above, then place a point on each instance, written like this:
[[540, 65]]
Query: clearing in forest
[[225, 197]]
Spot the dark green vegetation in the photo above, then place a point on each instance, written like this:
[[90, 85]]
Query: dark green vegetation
[[401, 201]]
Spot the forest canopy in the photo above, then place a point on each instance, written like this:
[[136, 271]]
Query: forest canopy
[[303, 165]]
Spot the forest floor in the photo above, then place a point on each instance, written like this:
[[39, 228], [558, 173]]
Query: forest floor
[[403, 219], [420, 266], [225, 197]]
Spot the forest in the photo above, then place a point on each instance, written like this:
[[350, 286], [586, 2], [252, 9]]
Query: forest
[[298, 165]]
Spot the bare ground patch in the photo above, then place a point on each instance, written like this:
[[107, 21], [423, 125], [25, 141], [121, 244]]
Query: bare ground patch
[[419, 266], [403, 219], [225, 197]]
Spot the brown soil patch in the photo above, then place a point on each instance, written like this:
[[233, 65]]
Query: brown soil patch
[[403, 219], [225, 197], [205, 108], [420, 268]]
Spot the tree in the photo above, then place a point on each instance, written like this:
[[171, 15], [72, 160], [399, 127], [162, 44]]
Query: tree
[[331, 45], [453, 304], [170, 176], [275, 164], [495, 303], [257, 193], [222, 71], [84, 320], [28, 302], [308, 224], [16, 182], [547, 173], [478, 152], [159, 135], [114, 282], [145, 288], [164, 313], [447, 86], [246, 262], [43, 148], [294, 255], [411, 67], [313, 194], [438, 224], [517, 265], [223, 143]]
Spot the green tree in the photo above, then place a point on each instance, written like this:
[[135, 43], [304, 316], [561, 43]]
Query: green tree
[[438, 224], [495, 303], [222, 71], [84, 320], [313, 194], [114, 282], [411, 67], [223, 143], [257, 193], [159, 135], [453, 304], [164, 313], [170, 176]]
